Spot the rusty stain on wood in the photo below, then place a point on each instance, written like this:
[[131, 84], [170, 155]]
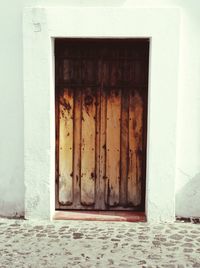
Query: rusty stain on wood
[[77, 148]]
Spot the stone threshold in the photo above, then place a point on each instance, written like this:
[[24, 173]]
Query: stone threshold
[[115, 216]]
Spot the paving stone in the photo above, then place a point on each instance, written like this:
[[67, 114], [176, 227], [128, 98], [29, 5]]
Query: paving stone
[[61, 244], [176, 236]]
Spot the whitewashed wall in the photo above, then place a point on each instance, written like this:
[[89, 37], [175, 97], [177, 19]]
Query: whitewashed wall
[[11, 101]]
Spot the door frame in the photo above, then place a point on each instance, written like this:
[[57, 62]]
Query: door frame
[[40, 27]]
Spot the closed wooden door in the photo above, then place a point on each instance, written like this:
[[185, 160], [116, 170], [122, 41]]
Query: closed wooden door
[[101, 118]]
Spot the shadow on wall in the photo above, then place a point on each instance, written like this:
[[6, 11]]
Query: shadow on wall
[[188, 198]]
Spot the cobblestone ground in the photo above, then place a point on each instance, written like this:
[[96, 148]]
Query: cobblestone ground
[[98, 244]]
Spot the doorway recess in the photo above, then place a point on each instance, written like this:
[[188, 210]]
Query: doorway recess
[[101, 89]]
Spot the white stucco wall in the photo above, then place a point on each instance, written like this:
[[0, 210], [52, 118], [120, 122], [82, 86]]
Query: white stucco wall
[[188, 150], [11, 110], [11, 101]]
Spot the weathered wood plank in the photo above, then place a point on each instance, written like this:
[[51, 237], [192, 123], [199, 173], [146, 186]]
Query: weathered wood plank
[[113, 148], [124, 147], [97, 150], [135, 148], [88, 172], [101, 151], [101, 139], [57, 123], [77, 148], [66, 70], [66, 148]]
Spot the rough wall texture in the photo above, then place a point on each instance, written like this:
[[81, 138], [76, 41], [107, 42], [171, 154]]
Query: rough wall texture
[[188, 150], [11, 102], [11, 110]]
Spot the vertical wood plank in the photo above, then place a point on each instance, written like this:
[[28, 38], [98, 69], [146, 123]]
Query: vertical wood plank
[[135, 148], [88, 172], [97, 149], [66, 148], [77, 148], [124, 146], [66, 70], [113, 148], [57, 123], [144, 145], [101, 151], [101, 138]]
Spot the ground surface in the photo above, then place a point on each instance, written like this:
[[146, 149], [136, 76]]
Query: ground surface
[[98, 244]]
